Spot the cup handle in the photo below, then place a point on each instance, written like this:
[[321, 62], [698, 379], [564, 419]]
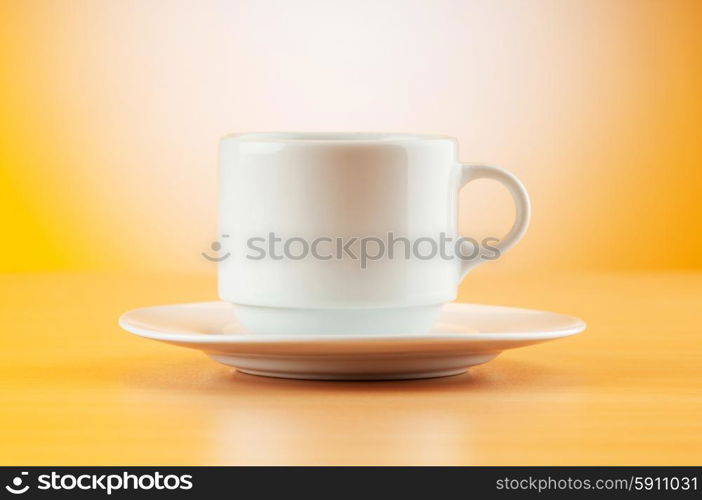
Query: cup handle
[[521, 202]]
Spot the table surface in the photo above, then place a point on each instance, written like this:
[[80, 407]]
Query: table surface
[[77, 390]]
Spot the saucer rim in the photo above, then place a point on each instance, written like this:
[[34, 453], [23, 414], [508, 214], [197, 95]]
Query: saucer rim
[[578, 326]]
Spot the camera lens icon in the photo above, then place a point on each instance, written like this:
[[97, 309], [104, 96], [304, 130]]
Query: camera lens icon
[[16, 488]]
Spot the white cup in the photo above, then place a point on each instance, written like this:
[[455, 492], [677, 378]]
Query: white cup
[[283, 192]]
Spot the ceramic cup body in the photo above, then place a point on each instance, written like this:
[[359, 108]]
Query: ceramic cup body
[[303, 218]]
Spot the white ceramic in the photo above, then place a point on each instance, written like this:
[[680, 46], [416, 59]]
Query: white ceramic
[[466, 335], [355, 185]]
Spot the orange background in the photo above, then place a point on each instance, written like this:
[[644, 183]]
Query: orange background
[[110, 114], [111, 111]]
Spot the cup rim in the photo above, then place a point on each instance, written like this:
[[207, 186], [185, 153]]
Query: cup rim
[[334, 137]]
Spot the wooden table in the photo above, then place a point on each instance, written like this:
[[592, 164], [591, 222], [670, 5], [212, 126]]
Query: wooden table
[[78, 390]]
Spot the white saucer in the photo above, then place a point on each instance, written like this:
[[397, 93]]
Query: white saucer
[[466, 335]]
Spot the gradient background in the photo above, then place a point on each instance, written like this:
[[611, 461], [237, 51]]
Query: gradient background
[[111, 111], [110, 116]]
